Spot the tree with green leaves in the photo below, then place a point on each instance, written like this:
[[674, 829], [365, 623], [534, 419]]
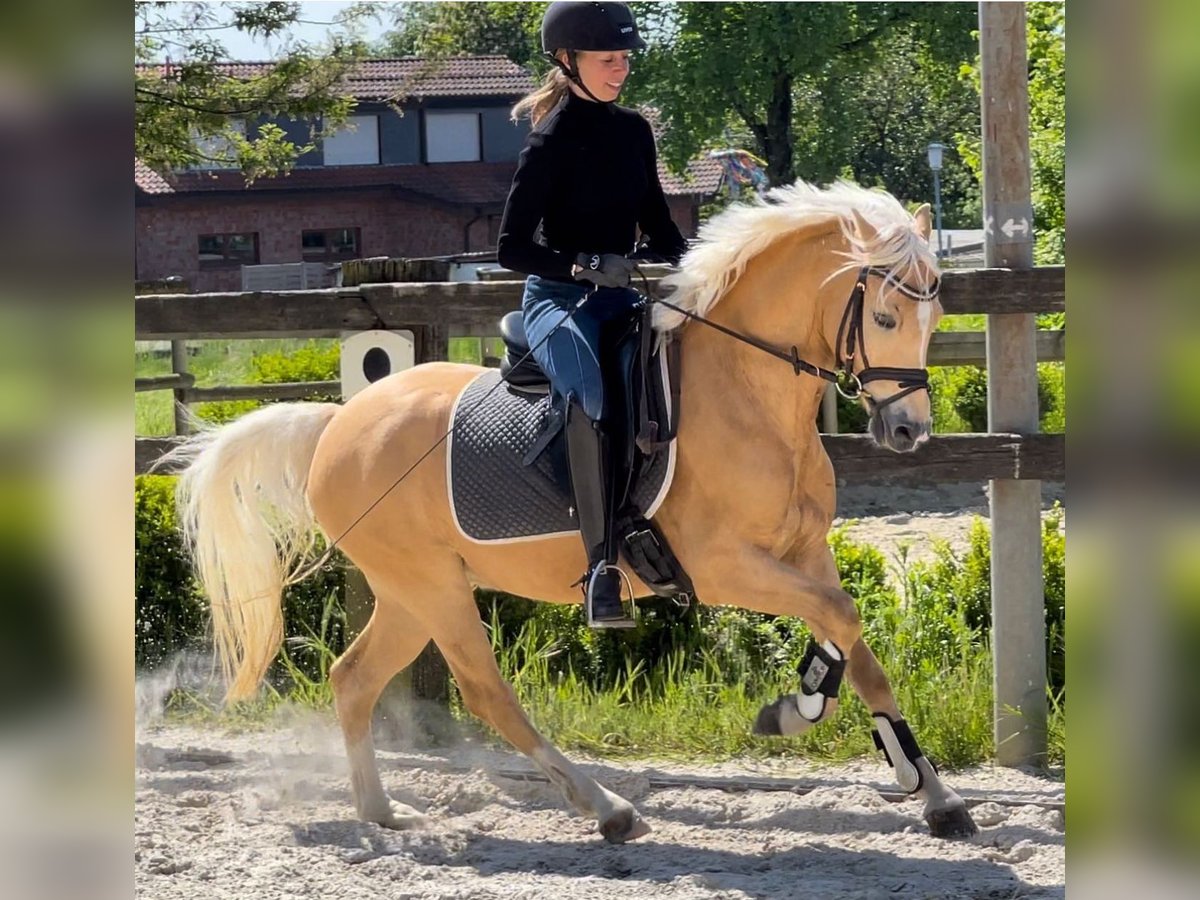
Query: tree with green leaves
[[819, 90], [189, 104], [874, 124], [765, 66], [456, 29]]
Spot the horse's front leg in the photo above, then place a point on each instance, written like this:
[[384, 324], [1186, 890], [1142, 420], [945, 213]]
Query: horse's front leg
[[806, 584], [751, 577], [945, 811]]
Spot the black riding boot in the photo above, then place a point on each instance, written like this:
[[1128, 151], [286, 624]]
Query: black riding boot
[[595, 476]]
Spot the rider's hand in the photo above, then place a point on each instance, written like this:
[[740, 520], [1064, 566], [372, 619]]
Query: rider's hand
[[603, 269]]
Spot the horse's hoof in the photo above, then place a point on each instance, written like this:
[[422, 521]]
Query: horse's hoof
[[767, 722], [952, 822], [624, 826], [396, 816], [782, 718]]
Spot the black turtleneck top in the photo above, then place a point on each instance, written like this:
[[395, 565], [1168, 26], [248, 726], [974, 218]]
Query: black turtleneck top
[[589, 176]]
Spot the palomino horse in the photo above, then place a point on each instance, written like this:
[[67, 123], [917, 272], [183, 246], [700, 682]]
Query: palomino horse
[[747, 513]]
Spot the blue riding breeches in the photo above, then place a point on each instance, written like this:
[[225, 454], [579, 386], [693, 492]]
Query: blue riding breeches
[[577, 355]]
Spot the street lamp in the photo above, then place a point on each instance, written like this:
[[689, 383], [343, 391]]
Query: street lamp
[[935, 163]]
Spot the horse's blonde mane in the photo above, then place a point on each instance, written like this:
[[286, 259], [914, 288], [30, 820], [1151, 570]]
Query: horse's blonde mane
[[728, 241]]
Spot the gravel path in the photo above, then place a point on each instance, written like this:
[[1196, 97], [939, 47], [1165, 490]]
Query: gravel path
[[268, 815], [909, 519]]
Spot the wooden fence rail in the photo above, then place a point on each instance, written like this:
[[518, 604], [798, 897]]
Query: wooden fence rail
[[943, 459], [471, 304], [433, 310]]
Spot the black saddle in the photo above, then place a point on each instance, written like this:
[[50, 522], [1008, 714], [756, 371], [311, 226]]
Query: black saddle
[[652, 385], [518, 367]]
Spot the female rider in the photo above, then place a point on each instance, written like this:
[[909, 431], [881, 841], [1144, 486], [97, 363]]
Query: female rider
[[588, 177]]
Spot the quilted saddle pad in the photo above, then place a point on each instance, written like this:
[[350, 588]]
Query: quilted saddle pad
[[494, 497]]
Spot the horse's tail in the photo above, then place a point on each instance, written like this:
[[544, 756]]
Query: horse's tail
[[247, 524]]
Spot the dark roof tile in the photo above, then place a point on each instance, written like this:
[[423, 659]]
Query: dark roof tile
[[470, 183], [395, 79]]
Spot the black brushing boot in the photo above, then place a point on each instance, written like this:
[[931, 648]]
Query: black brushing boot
[[594, 481]]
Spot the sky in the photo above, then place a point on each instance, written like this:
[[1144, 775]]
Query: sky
[[316, 13]]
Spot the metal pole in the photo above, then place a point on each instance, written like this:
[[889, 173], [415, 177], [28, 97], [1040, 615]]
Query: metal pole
[[1018, 597], [829, 405], [937, 205]]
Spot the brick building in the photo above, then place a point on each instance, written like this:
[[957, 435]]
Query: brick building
[[428, 181]]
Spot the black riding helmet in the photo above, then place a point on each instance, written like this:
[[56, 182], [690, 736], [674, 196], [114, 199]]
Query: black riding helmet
[[573, 26]]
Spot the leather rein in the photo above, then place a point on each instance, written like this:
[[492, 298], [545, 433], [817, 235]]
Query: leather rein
[[851, 342]]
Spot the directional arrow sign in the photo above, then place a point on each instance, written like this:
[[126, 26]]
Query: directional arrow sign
[[1010, 227], [1009, 223]]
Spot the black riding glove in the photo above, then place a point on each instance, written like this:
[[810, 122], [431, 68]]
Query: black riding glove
[[603, 269]]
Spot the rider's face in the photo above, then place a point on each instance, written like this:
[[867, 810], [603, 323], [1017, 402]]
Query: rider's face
[[603, 71]]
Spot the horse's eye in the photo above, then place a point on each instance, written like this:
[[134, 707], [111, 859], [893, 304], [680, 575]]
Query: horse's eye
[[883, 320]]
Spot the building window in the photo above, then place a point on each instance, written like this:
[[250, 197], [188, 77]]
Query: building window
[[219, 251], [354, 144], [452, 137], [330, 244], [218, 151]]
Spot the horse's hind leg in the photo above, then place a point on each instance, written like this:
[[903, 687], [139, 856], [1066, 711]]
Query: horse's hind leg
[[389, 642], [460, 635]]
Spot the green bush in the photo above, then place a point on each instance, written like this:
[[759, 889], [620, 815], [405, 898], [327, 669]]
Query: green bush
[[967, 578], [312, 362], [171, 615], [1052, 400], [959, 398], [222, 412]]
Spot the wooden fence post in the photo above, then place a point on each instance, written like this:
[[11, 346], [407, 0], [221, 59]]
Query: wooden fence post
[[413, 707], [1018, 594], [179, 366], [428, 677]]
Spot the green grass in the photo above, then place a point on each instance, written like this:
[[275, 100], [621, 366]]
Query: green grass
[[232, 362], [697, 706], [213, 363], [698, 699], [299, 678]]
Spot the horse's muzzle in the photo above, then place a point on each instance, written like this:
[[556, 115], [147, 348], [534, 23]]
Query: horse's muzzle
[[898, 432]]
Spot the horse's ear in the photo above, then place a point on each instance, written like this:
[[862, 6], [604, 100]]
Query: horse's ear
[[924, 220], [865, 228]]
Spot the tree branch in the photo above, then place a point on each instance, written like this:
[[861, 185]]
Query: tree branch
[[901, 15], [175, 101], [740, 107]]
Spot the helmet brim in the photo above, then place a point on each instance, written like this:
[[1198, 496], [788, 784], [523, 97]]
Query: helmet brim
[[632, 43]]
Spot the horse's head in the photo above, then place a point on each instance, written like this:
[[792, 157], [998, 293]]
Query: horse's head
[[842, 277], [882, 334]]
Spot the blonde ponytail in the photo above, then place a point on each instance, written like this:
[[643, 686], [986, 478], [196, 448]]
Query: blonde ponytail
[[540, 101]]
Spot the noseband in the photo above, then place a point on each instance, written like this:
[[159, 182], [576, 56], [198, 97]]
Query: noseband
[[848, 382]]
